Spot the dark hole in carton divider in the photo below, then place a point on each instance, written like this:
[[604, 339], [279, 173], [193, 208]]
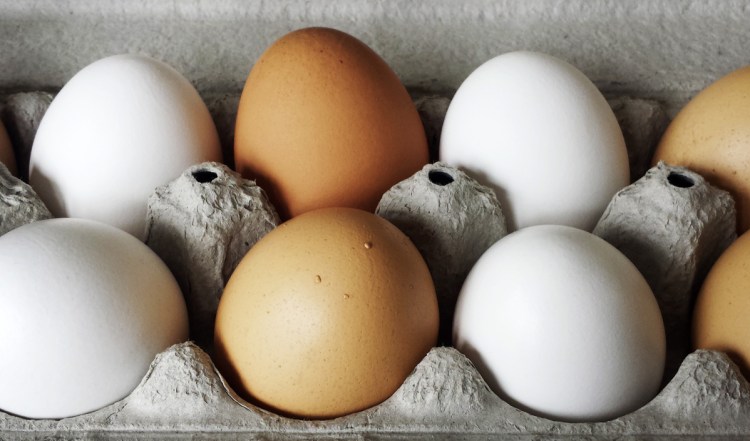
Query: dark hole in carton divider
[[679, 180], [204, 176], [440, 177]]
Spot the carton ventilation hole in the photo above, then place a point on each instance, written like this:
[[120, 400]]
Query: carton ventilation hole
[[204, 176], [679, 180], [440, 177]]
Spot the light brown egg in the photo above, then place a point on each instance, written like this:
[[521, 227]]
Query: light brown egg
[[326, 315], [7, 156], [711, 135], [324, 122], [722, 309]]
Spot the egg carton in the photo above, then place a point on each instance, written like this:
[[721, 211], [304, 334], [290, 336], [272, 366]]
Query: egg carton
[[445, 396], [659, 50]]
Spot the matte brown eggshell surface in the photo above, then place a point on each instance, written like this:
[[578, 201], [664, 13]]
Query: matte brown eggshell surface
[[326, 315], [720, 320], [324, 122]]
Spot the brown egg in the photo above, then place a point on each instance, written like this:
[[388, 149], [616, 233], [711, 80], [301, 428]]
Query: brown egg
[[324, 122], [326, 315], [711, 135], [7, 156], [722, 311]]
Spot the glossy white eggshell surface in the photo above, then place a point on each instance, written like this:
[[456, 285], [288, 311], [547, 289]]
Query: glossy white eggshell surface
[[561, 324], [118, 129], [538, 132], [84, 309]]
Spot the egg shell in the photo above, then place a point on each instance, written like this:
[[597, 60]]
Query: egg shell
[[84, 308], [562, 325], [7, 156], [118, 129], [324, 122], [711, 136], [538, 132], [722, 308], [326, 315]]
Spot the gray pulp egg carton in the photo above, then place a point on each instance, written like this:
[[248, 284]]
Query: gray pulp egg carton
[[445, 396], [647, 56]]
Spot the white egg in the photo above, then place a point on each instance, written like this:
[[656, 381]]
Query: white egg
[[84, 309], [7, 155], [561, 324], [118, 129], [536, 130]]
